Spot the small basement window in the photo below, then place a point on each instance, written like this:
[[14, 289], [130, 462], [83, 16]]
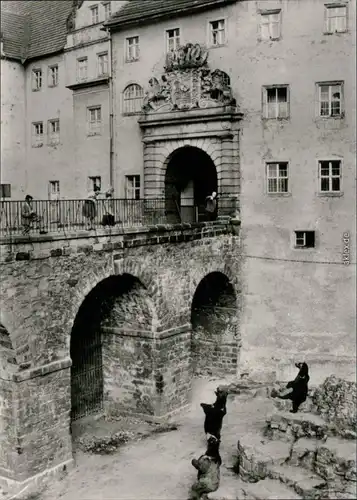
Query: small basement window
[[304, 239]]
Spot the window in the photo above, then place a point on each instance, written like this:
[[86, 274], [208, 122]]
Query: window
[[37, 134], [53, 76], [133, 97], [330, 99], [5, 190], [304, 239], [132, 187], [95, 120], [103, 64], [335, 18], [172, 39], [82, 67], [95, 14], [107, 10], [276, 102], [53, 190], [270, 25], [132, 48], [36, 79], [95, 181], [53, 131], [218, 32], [277, 176], [330, 176]]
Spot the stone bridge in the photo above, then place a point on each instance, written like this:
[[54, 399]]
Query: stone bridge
[[114, 323]]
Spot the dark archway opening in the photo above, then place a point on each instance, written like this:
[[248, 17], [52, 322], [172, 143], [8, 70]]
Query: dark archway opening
[[105, 308], [214, 318], [190, 177]]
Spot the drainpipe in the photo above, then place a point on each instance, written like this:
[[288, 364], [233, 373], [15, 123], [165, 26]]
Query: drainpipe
[[111, 113]]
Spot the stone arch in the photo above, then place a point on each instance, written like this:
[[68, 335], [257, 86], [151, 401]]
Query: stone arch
[[190, 176], [8, 360], [111, 348], [215, 325]]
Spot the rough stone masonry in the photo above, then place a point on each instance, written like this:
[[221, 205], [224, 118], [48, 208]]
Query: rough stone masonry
[[137, 289]]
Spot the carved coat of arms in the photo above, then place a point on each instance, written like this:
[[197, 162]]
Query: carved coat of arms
[[188, 83]]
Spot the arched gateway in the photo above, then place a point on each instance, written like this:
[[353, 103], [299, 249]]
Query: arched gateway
[[190, 126]]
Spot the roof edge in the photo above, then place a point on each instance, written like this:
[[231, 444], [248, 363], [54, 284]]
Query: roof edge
[[116, 25]]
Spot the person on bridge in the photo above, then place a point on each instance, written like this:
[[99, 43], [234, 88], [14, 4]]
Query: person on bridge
[[90, 207], [29, 216], [211, 206]]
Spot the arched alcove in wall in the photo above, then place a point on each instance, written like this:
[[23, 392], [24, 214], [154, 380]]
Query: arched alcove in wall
[[110, 361], [190, 177], [214, 318]]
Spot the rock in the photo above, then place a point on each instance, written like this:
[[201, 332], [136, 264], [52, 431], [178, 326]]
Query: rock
[[305, 483], [336, 457], [303, 453], [255, 454], [336, 401], [268, 489], [291, 426]]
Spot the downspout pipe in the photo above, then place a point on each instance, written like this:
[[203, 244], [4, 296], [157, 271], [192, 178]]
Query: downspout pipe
[[111, 114]]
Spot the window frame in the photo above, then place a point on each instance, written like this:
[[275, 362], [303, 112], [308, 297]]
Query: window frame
[[99, 55], [319, 101], [329, 193], [304, 247], [329, 6], [135, 189], [37, 139], [94, 127], [105, 4], [137, 98], [177, 44], [50, 82], [265, 107], [94, 8], [137, 49], [92, 184], [270, 12], [53, 137], [37, 88], [4, 187], [287, 178], [210, 32], [53, 195], [79, 60]]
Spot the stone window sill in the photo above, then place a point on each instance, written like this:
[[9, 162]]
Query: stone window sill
[[128, 61], [278, 119], [218, 46], [37, 145], [279, 195], [328, 194]]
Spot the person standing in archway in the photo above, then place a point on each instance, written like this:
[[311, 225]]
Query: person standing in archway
[[211, 206]]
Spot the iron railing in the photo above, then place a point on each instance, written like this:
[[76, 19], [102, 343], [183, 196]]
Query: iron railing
[[71, 215]]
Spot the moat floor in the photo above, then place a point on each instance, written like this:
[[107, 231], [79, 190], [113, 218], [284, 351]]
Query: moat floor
[[159, 467]]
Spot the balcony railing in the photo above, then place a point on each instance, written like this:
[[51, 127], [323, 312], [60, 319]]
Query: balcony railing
[[72, 215]]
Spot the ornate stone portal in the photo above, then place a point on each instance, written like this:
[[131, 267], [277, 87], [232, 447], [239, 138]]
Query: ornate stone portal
[[191, 107], [188, 83]]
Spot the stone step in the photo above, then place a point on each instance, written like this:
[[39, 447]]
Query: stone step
[[255, 454], [230, 488], [330, 458], [305, 483], [336, 456], [268, 489], [291, 426]]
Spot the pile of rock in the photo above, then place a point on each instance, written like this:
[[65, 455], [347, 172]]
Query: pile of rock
[[309, 454]]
